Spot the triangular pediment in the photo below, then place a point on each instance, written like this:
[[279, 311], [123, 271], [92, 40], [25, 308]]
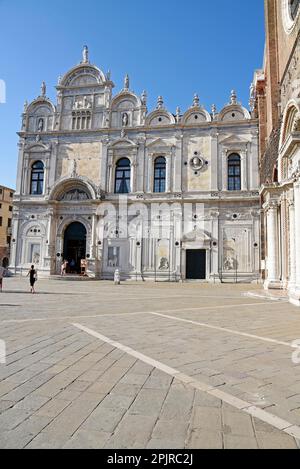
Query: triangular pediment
[[159, 142], [123, 142], [233, 139]]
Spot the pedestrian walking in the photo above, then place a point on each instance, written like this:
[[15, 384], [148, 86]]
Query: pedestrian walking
[[32, 274], [2, 270]]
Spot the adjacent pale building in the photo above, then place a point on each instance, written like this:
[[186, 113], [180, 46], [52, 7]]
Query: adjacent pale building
[[81, 156], [278, 106], [6, 212]]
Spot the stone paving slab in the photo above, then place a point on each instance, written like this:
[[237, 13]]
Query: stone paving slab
[[62, 388]]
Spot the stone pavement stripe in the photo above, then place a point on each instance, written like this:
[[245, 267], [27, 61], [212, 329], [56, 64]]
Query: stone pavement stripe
[[137, 313], [239, 404], [231, 331]]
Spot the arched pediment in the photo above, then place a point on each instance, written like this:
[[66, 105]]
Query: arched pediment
[[83, 75], [37, 148], [234, 112], [196, 115], [125, 101], [73, 189], [160, 117], [291, 120], [41, 107]]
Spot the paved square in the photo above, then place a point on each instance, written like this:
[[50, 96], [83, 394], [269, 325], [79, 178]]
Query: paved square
[[93, 365]]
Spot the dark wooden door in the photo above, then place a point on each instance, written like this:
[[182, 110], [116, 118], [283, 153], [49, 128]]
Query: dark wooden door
[[196, 264]]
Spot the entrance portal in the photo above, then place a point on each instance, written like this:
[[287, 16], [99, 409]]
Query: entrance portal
[[196, 264], [75, 247]]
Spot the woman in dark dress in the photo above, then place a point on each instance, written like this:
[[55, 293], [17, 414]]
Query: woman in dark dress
[[32, 274]]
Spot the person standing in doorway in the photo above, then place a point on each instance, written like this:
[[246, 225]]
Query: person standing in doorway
[[32, 274], [2, 270], [64, 268]]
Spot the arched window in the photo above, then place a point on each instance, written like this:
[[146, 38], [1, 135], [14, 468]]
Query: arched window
[[123, 176], [37, 178], [294, 5], [160, 174], [234, 172]]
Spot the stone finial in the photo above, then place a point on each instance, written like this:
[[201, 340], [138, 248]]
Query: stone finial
[[252, 97], [85, 55], [108, 75], [214, 110], [233, 97], [25, 106], [43, 89], [160, 102], [59, 80], [196, 100], [126, 82], [144, 98], [178, 112]]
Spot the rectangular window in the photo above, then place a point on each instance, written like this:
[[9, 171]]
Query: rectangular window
[[10, 208], [113, 257], [9, 223], [0, 221]]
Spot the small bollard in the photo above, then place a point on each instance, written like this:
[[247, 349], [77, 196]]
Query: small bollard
[[117, 278]]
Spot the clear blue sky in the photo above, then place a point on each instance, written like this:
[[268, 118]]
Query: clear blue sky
[[169, 47]]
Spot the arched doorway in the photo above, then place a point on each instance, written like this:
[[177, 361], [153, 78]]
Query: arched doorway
[[75, 247], [5, 262]]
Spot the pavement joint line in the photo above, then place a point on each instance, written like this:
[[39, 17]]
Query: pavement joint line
[[62, 318], [231, 331], [243, 406]]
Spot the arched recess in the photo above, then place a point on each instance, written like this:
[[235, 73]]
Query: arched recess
[[126, 110], [75, 246], [40, 115], [81, 188], [290, 121]]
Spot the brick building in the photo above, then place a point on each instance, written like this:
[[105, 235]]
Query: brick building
[[6, 211], [276, 93]]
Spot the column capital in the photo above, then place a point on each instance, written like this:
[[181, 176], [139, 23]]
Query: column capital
[[271, 205]]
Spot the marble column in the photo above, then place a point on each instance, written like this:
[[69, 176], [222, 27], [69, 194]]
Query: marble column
[[224, 171], [292, 246], [244, 171], [214, 162], [150, 174], [168, 173], [272, 280], [297, 237], [178, 164]]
